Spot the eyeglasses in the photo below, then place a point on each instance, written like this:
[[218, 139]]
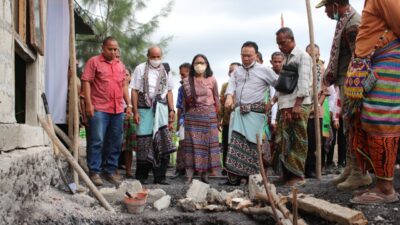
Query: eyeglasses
[[200, 63]]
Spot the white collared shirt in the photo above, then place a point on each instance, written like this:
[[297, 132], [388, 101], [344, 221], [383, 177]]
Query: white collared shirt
[[248, 86], [137, 80], [303, 62]]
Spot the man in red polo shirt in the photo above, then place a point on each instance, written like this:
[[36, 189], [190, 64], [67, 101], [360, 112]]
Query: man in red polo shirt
[[104, 89]]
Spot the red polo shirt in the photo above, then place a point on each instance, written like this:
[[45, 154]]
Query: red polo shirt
[[106, 83]]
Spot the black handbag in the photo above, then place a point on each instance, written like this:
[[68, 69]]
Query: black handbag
[[287, 80]]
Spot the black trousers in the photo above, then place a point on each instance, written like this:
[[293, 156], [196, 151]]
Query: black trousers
[[225, 141], [143, 168], [341, 142], [311, 159]]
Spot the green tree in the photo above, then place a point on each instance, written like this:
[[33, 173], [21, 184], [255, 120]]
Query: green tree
[[117, 18]]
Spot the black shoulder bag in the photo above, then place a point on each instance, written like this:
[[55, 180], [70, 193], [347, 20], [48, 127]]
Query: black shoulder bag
[[287, 80]]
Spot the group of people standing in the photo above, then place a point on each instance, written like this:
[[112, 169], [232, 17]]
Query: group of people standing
[[368, 126]]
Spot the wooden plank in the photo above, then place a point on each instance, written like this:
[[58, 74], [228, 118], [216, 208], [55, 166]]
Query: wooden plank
[[23, 50], [22, 20], [329, 211]]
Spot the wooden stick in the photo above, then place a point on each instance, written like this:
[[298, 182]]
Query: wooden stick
[[265, 181], [315, 90], [74, 96], [76, 166], [66, 139], [63, 136], [294, 205], [281, 206]]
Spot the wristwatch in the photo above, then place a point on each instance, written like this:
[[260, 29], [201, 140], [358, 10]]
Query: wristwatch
[[130, 106]]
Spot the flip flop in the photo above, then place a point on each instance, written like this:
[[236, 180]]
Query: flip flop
[[360, 192], [370, 198]]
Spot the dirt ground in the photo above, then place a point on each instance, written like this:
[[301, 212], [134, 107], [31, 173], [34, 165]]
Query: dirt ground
[[59, 207]]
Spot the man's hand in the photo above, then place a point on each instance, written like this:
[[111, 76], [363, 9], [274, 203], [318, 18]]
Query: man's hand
[[296, 110], [229, 102], [171, 120], [128, 112], [268, 106], [287, 115], [136, 118], [336, 124], [89, 110]]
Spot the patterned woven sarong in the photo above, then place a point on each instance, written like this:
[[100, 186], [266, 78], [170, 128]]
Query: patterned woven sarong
[[129, 141], [201, 145], [380, 113], [292, 143], [242, 156], [153, 137], [376, 144]]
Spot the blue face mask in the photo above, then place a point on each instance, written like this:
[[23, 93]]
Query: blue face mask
[[336, 16]]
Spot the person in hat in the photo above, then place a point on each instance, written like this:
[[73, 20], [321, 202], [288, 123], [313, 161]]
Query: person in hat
[[343, 45]]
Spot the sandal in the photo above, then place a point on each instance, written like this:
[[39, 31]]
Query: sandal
[[369, 198], [360, 192]]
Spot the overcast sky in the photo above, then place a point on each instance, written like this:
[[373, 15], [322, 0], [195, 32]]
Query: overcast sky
[[218, 28]]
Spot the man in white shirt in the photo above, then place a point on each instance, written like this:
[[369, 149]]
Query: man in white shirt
[[247, 86], [294, 110], [153, 109]]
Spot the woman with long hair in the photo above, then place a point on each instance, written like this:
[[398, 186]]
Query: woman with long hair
[[201, 144]]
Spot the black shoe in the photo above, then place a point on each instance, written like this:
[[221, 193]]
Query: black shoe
[[142, 181], [162, 182], [178, 174], [310, 175], [227, 183]]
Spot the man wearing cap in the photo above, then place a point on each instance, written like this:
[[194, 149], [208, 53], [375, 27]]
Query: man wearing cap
[[343, 45]]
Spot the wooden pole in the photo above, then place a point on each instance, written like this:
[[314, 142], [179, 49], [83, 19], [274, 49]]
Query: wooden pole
[[75, 165], [315, 91], [294, 206], [265, 181], [68, 141], [73, 101]]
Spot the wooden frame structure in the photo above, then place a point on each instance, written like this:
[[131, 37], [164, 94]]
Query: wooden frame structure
[[36, 24]]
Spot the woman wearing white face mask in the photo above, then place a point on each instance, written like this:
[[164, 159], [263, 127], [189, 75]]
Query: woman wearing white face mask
[[201, 144]]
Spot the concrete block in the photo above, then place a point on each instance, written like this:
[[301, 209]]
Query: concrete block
[[17, 136], [30, 136], [255, 185], [187, 205], [155, 194], [110, 194], [162, 203], [25, 175], [114, 195], [214, 196], [198, 191]]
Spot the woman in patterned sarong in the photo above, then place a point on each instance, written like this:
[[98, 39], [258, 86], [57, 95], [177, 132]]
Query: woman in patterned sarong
[[377, 143], [201, 145]]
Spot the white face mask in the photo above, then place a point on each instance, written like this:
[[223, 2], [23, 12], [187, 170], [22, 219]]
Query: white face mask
[[200, 68], [249, 66], [155, 63]]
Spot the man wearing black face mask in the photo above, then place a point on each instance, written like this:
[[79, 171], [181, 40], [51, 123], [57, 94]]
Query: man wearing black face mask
[[343, 46]]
